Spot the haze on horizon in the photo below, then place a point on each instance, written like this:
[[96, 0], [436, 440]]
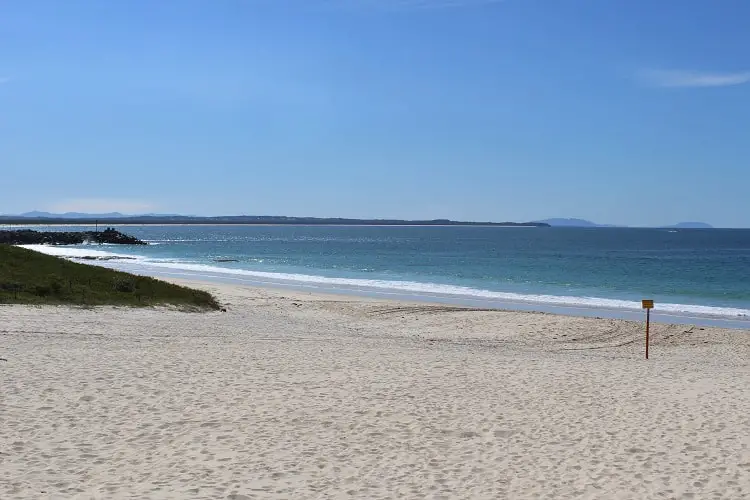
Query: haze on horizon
[[627, 112]]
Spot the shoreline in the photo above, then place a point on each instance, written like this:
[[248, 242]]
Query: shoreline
[[396, 300], [437, 299], [414, 292], [397, 297]]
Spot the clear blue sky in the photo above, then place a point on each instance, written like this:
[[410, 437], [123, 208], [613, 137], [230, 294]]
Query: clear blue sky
[[622, 111]]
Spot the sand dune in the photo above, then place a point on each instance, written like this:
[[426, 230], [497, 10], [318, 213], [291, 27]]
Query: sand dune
[[291, 395]]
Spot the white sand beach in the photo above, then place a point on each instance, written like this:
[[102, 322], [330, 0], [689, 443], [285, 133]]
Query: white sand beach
[[302, 396]]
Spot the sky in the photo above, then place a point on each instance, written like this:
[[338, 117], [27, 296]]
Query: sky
[[631, 112]]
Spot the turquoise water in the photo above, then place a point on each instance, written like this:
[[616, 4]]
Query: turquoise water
[[700, 272]]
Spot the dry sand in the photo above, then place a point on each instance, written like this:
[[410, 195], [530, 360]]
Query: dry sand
[[293, 395]]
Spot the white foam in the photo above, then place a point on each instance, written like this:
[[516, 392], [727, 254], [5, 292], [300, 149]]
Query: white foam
[[435, 289], [77, 253]]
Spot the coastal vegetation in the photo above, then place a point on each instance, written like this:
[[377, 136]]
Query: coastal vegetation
[[29, 277]]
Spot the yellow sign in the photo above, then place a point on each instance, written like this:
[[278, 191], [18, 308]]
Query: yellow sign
[[648, 304]]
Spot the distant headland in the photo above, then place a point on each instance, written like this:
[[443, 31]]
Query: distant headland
[[116, 218], [119, 219]]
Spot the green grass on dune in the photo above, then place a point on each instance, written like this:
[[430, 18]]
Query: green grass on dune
[[28, 277]]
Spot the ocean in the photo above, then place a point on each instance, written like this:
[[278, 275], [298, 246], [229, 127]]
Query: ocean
[[702, 274]]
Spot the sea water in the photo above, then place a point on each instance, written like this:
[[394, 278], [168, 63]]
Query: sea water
[[693, 273]]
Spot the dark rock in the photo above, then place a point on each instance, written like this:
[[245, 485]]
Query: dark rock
[[30, 237]]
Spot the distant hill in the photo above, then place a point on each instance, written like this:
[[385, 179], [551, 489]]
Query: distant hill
[[691, 225], [587, 223]]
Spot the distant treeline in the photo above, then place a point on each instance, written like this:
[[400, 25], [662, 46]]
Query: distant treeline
[[257, 220]]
